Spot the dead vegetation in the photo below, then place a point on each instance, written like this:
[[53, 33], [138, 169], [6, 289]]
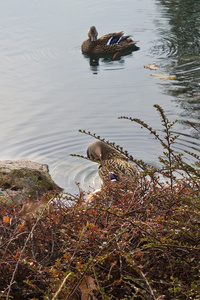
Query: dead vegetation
[[142, 244]]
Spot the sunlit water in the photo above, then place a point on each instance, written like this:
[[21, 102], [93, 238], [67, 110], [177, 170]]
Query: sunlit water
[[49, 90]]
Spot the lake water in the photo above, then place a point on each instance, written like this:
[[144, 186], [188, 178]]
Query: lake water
[[49, 90]]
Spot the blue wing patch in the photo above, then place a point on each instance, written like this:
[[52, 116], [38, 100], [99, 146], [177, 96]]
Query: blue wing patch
[[114, 40], [112, 177]]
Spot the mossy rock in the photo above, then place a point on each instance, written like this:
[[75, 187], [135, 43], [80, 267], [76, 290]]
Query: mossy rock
[[18, 179]]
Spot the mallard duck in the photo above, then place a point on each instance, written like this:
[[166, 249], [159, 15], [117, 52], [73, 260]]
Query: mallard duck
[[113, 165], [109, 43]]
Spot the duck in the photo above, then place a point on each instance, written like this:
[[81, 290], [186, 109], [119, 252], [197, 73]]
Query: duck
[[113, 166], [109, 43]]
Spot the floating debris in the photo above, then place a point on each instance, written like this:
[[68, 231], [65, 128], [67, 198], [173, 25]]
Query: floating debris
[[151, 67], [164, 76]]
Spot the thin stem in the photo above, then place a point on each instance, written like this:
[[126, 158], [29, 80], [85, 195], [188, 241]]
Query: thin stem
[[150, 289], [61, 286], [25, 244]]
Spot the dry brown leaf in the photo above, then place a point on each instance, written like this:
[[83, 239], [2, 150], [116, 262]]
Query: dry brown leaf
[[87, 287], [6, 219], [29, 210]]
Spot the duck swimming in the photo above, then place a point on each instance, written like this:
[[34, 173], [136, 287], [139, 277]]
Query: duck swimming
[[113, 165], [109, 43]]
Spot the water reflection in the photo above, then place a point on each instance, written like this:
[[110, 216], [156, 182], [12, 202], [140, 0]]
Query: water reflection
[[184, 19], [95, 59], [181, 39], [179, 45]]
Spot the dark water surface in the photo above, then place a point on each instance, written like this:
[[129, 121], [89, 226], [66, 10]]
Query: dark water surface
[[50, 90]]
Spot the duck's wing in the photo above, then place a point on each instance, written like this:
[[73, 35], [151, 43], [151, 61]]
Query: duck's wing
[[114, 170], [104, 174], [108, 37], [124, 44], [120, 166]]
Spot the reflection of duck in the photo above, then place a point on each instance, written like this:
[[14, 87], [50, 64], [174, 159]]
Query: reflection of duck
[[109, 43], [113, 165]]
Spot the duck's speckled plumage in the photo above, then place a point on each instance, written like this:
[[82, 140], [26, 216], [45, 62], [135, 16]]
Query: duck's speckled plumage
[[97, 46], [110, 161]]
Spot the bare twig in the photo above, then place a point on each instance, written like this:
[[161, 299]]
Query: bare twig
[[61, 286], [25, 244], [150, 289]]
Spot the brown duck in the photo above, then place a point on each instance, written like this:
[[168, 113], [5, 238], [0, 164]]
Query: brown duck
[[109, 43], [113, 165]]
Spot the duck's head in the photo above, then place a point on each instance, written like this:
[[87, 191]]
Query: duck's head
[[92, 34], [101, 151]]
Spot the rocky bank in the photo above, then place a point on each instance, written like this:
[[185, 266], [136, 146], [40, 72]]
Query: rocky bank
[[19, 179]]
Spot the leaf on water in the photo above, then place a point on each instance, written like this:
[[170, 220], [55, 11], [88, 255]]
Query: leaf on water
[[164, 76], [151, 67], [87, 287]]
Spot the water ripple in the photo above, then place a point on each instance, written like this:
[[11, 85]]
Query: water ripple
[[54, 149], [164, 47], [40, 55]]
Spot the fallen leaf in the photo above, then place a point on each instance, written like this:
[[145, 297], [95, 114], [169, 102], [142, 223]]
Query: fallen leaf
[[164, 76], [6, 219], [151, 67], [29, 209], [17, 254], [87, 287]]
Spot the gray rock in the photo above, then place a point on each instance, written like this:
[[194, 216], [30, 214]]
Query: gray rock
[[19, 179]]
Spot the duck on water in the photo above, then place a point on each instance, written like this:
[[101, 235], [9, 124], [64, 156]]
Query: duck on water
[[108, 43]]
